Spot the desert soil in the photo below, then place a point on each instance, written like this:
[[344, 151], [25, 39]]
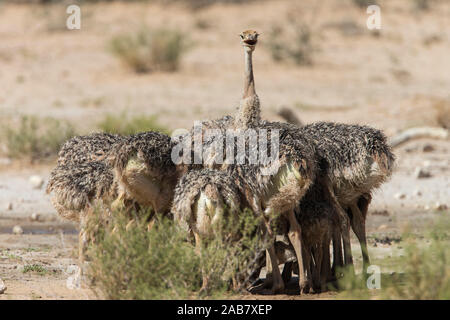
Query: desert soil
[[391, 81]]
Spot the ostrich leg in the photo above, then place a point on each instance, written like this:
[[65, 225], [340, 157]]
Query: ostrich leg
[[326, 267], [338, 261], [345, 229], [295, 236], [359, 227], [198, 249], [287, 272]]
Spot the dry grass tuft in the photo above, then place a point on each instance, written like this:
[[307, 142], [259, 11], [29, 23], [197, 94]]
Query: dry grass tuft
[[126, 125], [150, 50], [35, 138]]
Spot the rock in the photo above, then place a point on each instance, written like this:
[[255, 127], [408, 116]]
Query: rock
[[440, 206], [400, 195], [428, 148], [17, 230], [382, 227], [9, 206], [35, 216], [36, 182], [2, 287], [427, 163], [420, 173]]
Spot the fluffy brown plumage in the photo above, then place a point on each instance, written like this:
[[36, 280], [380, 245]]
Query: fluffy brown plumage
[[144, 169], [202, 197], [83, 149], [359, 158], [83, 174], [76, 187], [318, 219]]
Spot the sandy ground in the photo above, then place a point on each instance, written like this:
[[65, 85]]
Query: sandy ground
[[391, 82]]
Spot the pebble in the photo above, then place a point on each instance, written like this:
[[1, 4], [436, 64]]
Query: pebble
[[400, 195], [35, 216], [2, 287], [427, 163], [9, 206], [17, 230], [420, 173], [417, 193], [36, 182], [428, 148]]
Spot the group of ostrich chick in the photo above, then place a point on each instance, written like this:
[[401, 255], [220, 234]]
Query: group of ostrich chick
[[320, 190]]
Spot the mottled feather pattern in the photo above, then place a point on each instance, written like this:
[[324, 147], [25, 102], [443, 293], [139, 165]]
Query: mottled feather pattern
[[75, 187], [93, 147], [154, 148], [83, 173], [349, 152], [193, 183]]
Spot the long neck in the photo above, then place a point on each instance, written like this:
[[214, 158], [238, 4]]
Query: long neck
[[249, 84], [249, 110]]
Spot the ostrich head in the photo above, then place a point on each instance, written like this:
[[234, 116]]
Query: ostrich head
[[249, 39]]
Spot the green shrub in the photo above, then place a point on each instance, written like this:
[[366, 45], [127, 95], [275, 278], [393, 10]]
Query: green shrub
[[294, 44], [36, 138], [128, 261], [150, 50], [123, 124], [423, 271], [35, 268]]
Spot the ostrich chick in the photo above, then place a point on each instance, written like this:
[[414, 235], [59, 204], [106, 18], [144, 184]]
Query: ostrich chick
[[204, 199]]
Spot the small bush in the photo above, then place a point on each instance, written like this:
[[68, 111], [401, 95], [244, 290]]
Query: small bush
[[150, 50], [294, 43], [36, 138], [423, 270], [123, 124], [128, 261], [422, 4], [35, 268]]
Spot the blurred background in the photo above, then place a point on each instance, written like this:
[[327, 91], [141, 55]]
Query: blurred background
[[177, 61], [160, 65]]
